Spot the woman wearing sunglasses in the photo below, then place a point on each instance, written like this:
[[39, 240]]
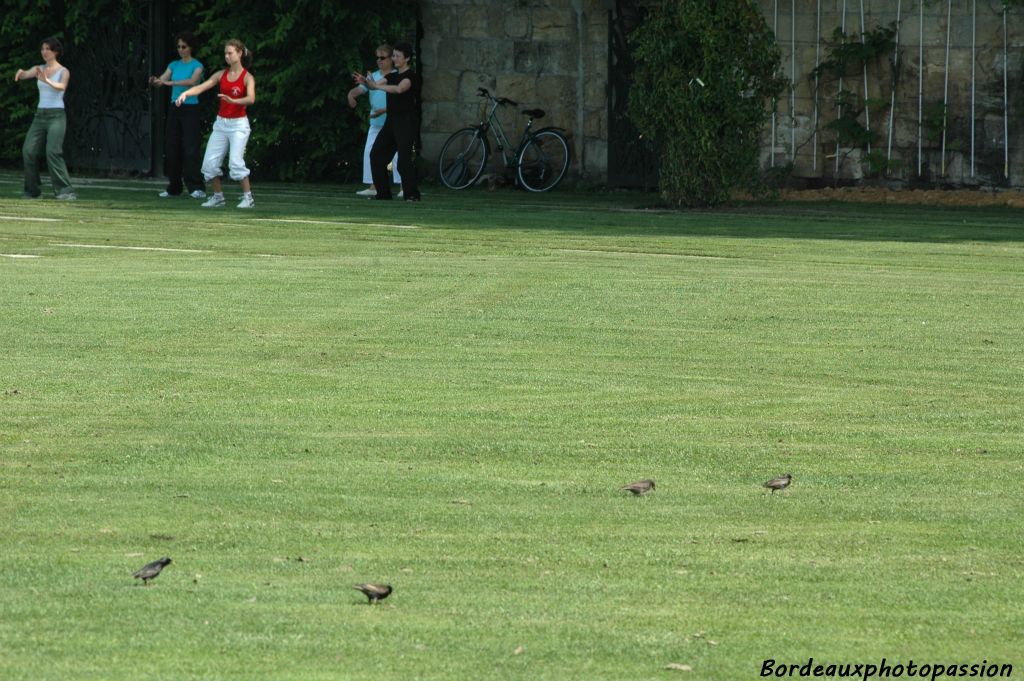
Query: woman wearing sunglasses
[[378, 114], [402, 87], [181, 154]]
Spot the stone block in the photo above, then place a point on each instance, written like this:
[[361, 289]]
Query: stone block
[[594, 161], [469, 81], [487, 56], [559, 117], [597, 57], [447, 116], [517, 25], [442, 19], [556, 90], [519, 87], [595, 93], [553, 25], [432, 143], [440, 86], [545, 57], [473, 23]]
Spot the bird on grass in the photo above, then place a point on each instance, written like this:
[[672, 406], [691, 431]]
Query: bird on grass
[[779, 483], [151, 570], [375, 592], [640, 487]]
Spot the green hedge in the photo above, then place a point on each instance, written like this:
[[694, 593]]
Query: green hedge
[[304, 52]]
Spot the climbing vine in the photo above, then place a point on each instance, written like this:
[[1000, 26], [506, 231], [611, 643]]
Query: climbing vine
[[848, 57]]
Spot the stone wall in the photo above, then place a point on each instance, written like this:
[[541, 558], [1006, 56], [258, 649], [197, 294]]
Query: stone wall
[[796, 24], [553, 54], [548, 54]]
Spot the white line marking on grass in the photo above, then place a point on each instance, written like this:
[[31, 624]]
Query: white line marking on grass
[[134, 248], [18, 255], [644, 253], [334, 222], [25, 219]]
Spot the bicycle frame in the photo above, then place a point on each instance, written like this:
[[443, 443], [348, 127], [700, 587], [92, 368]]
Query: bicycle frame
[[537, 163], [492, 124]]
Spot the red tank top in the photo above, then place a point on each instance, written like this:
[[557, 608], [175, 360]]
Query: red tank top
[[235, 89]]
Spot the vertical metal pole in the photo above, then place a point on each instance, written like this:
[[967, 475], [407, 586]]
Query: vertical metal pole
[[974, 60], [817, 62], [842, 27], [945, 87], [920, 86], [867, 111], [581, 63], [792, 82], [1006, 108], [896, 65], [775, 101]]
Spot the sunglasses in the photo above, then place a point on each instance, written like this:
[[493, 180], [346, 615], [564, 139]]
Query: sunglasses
[[382, 58]]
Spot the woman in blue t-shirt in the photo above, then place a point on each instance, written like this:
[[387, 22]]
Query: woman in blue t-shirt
[[181, 156]]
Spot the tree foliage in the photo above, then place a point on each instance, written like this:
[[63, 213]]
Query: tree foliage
[[304, 51], [709, 134]]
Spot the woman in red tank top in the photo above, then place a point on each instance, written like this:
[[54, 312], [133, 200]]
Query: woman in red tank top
[[236, 90]]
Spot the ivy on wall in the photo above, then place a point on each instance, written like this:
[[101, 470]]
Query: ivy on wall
[[848, 57]]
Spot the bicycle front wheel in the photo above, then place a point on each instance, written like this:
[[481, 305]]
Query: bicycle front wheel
[[463, 158], [543, 161]]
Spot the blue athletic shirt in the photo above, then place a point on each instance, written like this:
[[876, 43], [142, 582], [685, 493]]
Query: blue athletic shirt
[[378, 100], [182, 71]]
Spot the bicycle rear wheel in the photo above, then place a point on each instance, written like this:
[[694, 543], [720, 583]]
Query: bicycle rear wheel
[[543, 161], [463, 158]]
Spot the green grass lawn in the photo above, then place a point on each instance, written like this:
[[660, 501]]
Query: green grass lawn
[[447, 396]]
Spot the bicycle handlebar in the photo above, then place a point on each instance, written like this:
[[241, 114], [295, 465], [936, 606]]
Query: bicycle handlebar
[[503, 101]]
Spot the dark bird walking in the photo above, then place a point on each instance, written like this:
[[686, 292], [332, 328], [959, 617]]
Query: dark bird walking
[[640, 487], [779, 483], [151, 570], [375, 592]]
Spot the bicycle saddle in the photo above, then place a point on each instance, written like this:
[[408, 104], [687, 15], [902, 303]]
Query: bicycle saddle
[[534, 113]]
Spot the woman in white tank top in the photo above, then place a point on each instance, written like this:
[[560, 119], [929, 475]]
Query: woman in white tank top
[[46, 134]]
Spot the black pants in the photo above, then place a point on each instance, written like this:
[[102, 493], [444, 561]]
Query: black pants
[[182, 153], [398, 134]]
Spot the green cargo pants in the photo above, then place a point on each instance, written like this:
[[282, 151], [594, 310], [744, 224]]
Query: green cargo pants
[[46, 134]]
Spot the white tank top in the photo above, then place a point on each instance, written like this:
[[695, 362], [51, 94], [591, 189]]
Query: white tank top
[[50, 98]]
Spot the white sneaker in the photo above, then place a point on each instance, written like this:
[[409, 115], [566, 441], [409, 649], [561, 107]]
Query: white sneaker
[[369, 191], [247, 201], [215, 201], [197, 194], [401, 194], [67, 196], [164, 195]]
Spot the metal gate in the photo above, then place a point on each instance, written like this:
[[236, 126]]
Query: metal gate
[[110, 116], [632, 159]]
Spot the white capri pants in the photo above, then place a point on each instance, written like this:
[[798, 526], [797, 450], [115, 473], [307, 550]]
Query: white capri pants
[[229, 137], [367, 175]]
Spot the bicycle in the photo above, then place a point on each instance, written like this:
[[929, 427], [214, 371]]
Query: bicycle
[[540, 160]]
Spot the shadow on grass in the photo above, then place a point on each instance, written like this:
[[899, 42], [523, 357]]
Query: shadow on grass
[[609, 213]]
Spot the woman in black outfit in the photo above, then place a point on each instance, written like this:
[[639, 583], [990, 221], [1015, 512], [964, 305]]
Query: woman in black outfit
[[399, 131]]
